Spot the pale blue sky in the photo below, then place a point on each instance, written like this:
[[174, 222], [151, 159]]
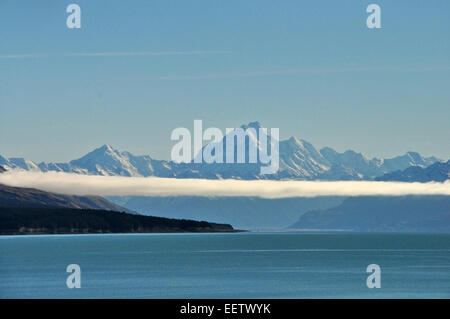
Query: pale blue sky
[[311, 68]]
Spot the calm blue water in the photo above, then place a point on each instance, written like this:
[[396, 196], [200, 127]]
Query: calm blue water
[[243, 265]]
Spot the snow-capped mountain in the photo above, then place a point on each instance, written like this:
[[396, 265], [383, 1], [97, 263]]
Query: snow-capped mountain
[[18, 163], [298, 159], [246, 170], [107, 161], [351, 165]]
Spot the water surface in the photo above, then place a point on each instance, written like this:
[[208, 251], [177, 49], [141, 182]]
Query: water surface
[[241, 265]]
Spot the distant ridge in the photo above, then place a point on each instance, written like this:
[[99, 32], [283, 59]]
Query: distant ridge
[[437, 172], [382, 214], [299, 160]]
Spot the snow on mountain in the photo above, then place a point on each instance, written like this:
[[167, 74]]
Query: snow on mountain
[[299, 159], [350, 165], [106, 161], [3, 161], [246, 170], [404, 161], [18, 163]]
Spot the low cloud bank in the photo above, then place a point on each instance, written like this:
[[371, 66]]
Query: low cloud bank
[[66, 183]]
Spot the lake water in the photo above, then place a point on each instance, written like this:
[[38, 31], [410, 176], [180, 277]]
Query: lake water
[[240, 265]]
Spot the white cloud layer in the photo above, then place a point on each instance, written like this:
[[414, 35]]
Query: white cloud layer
[[66, 183]]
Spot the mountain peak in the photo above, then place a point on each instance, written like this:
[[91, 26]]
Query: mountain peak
[[414, 155], [295, 142], [256, 125], [104, 151], [106, 148]]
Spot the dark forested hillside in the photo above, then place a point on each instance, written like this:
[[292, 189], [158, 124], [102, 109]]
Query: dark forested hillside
[[19, 220]]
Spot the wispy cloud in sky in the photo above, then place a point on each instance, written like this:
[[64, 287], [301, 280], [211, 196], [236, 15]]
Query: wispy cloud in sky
[[76, 184], [108, 54], [304, 71]]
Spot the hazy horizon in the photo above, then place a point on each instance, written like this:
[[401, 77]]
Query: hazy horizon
[[136, 71]]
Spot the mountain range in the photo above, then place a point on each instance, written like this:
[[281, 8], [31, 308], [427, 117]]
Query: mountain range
[[299, 160]]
